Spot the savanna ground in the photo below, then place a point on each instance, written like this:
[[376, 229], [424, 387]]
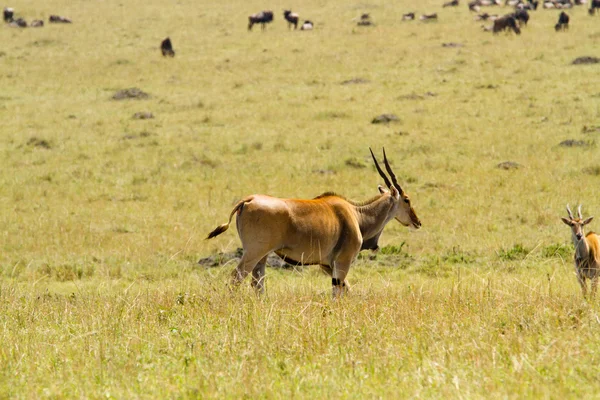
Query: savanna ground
[[103, 217]]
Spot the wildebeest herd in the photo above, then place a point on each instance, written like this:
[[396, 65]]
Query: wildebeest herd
[[511, 22], [20, 22], [266, 16]]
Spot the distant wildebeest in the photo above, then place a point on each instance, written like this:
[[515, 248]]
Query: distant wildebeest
[[594, 7], [453, 3], [428, 17], [506, 22], [365, 20], [559, 4], [408, 16], [166, 47], [307, 26], [328, 230], [522, 16], [37, 23], [18, 23], [563, 22], [8, 14], [474, 6], [587, 251], [57, 19], [291, 18], [263, 17]]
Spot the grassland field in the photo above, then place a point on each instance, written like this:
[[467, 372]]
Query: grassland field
[[103, 216]]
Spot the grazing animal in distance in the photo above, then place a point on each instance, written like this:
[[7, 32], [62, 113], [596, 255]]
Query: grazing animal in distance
[[307, 26], [587, 251], [291, 18], [9, 13], [263, 18], [594, 7], [328, 230], [18, 23], [37, 23], [563, 22], [57, 19], [408, 16], [166, 47], [506, 22], [522, 16], [474, 6], [365, 20], [453, 3]]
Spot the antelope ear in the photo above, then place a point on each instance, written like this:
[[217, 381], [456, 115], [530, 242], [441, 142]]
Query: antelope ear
[[566, 221], [394, 192], [381, 189], [587, 221]]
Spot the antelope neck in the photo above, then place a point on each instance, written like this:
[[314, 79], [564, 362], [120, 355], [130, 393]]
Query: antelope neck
[[372, 217]]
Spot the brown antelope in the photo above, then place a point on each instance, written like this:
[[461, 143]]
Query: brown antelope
[[587, 251], [328, 230]]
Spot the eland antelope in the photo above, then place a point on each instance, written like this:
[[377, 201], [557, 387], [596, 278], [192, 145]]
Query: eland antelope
[[587, 251], [328, 230]]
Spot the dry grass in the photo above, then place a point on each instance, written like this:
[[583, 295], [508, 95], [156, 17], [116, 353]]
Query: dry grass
[[104, 215]]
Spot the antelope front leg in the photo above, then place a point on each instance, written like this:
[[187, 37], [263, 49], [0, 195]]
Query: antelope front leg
[[582, 283], [329, 271], [338, 279]]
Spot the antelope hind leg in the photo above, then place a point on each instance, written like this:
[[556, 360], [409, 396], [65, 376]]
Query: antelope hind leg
[[258, 276], [246, 264]]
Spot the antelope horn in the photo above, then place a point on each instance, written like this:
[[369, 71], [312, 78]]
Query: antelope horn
[[570, 213], [579, 212], [385, 178], [389, 170]]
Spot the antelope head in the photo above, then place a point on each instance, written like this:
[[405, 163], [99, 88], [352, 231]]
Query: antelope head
[[576, 224], [402, 210]]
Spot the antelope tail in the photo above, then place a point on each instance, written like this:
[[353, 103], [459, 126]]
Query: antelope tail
[[222, 228]]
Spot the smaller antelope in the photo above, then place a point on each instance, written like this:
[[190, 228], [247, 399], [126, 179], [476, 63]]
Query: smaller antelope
[[587, 251]]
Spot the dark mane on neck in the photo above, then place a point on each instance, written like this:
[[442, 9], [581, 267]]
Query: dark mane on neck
[[354, 203]]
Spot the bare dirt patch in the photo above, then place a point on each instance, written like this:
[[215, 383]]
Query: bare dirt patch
[[586, 60], [385, 119], [130, 93], [233, 257], [508, 165]]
